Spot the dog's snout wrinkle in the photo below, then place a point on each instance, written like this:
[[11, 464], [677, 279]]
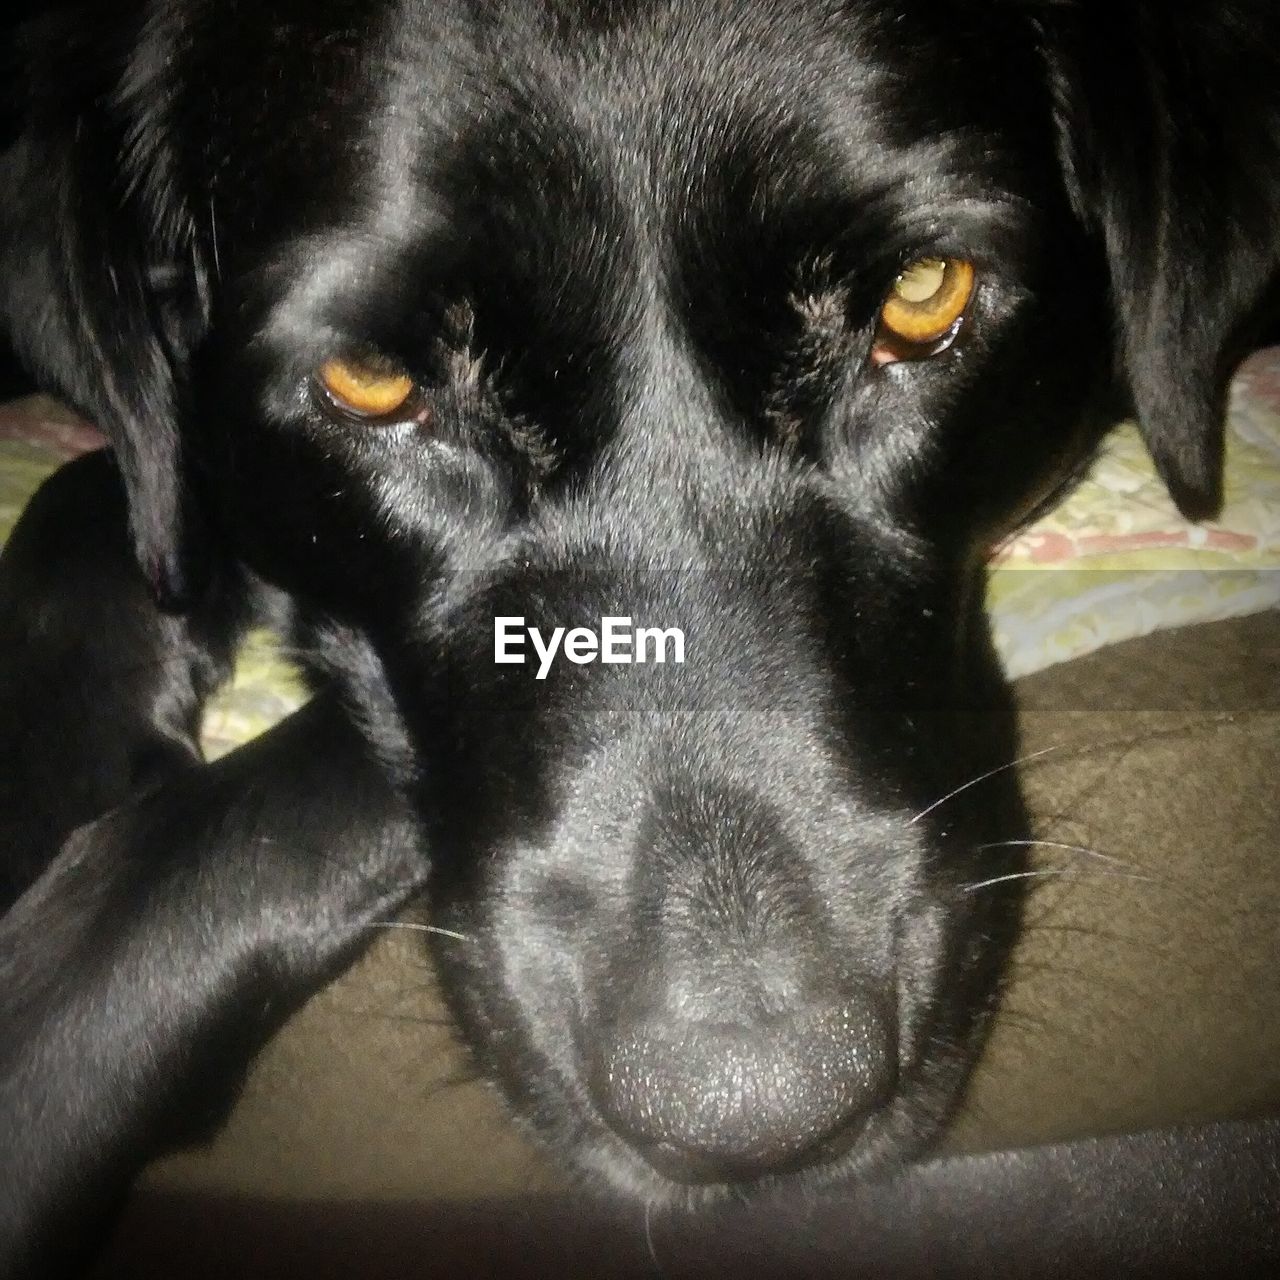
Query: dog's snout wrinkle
[[741, 932]]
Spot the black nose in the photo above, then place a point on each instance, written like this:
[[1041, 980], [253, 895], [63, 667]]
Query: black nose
[[711, 1101], [736, 1036]]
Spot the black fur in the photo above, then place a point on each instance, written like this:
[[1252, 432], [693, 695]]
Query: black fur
[[723, 928]]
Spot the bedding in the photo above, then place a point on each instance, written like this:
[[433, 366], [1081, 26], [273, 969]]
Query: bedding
[[1116, 560], [1112, 562]]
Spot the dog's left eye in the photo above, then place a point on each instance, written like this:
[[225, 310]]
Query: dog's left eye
[[924, 309], [366, 388]]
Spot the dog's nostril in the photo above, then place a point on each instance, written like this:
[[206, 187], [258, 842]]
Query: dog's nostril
[[722, 1103]]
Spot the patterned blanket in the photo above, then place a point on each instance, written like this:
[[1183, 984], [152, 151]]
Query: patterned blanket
[[1114, 561]]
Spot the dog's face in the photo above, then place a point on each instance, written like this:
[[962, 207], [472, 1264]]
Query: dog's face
[[628, 288], [759, 322]]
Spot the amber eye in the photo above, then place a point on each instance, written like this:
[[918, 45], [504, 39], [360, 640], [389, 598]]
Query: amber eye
[[926, 302], [367, 388]]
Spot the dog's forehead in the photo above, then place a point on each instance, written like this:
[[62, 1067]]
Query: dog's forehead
[[402, 113]]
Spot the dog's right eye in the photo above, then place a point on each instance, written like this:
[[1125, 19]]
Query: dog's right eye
[[924, 310], [370, 387]]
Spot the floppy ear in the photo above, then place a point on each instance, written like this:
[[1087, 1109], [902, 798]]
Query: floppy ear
[[1169, 121], [101, 290]]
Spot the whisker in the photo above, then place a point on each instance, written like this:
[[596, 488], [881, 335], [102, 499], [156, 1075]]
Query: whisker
[[1021, 1020], [648, 1236], [213, 239], [446, 1084], [991, 773], [1084, 850], [1064, 873], [420, 928]]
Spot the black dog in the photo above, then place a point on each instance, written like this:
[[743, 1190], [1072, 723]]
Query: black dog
[[756, 321]]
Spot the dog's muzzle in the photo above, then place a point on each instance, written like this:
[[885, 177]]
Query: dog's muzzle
[[740, 1045]]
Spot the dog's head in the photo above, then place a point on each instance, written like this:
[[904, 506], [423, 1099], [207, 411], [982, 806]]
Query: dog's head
[[752, 322]]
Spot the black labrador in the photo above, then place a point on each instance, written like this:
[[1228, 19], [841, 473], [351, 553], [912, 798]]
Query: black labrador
[[727, 333]]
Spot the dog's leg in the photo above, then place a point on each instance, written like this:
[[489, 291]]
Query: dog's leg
[[162, 946], [166, 916], [100, 692]]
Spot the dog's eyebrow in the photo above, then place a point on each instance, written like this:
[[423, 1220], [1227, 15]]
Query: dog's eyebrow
[[960, 187], [322, 273]]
